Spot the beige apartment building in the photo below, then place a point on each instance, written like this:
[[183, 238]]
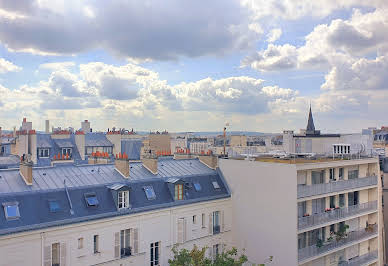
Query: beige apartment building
[[307, 211]]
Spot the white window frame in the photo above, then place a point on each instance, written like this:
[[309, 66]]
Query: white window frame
[[96, 244], [58, 253], [125, 240], [41, 153], [123, 199], [80, 243], [67, 150]]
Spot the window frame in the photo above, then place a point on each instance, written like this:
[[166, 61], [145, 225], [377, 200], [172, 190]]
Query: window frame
[[124, 202], [66, 151], [42, 152], [6, 213], [58, 253], [53, 210], [96, 244], [151, 190], [91, 195], [125, 242], [197, 186], [215, 184], [80, 243], [155, 253]]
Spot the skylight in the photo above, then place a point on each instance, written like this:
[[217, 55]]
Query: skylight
[[54, 206], [11, 210], [197, 186], [91, 199], [150, 193], [215, 185]]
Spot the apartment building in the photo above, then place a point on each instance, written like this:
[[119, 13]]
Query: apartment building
[[307, 211], [127, 213]]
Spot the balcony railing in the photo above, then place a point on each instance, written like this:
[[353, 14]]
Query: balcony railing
[[125, 252], [336, 214], [352, 237], [361, 260], [336, 186], [216, 229]]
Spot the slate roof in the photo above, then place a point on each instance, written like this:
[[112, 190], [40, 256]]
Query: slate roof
[[10, 161], [48, 185], [6, 140], [132, 148], [64, 143], [44, 141], [97, 140]]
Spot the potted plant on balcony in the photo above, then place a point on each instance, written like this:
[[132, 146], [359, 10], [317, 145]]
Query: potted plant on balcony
[[319, 243], [341, 233], [369, 227], [306, 215]]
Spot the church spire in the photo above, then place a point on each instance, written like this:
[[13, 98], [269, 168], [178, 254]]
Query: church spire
[[310, 124]]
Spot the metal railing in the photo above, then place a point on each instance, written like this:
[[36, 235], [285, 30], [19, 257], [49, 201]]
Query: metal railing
[[335, 214], [311, 251], [125, 252], [361, 260], [336, 186]]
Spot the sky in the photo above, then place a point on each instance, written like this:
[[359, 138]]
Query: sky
[[194, 65]]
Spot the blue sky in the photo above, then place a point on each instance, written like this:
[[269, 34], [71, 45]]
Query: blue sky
[[184, 65]]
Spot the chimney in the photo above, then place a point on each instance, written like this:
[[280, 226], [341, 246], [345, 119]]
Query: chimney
[[26, 169], [209, 160], [151, 163], [122, 165], [47, 129]]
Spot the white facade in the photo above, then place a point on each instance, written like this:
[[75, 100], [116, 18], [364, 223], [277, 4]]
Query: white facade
[[76, 241], [198, 147], [276, 211]]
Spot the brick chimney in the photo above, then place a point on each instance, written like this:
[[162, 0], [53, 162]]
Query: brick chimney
[[151, 163], [210, 160], [26, 169], [122, 165]]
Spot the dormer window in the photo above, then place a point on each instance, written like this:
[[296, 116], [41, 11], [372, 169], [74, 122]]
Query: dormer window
[[11, 210], [197, 187], [43, 153], [54, 206], [123, 199], [66, 151], [178, 191]]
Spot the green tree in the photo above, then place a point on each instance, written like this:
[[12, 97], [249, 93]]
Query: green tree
[[196, 257]]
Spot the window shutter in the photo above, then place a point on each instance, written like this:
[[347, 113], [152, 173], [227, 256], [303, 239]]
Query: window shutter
[[159, 249], [180, 231], [135, 241], [210, 223], [117, 244], [222, 222], [63, 254], [47, 256]]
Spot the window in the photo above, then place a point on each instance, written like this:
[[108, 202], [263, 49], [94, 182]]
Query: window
[[301, 208], [341, 173], [353, 174], [125, 249], [317, 177], [179, 192], [216, 185], [11, 210], [66, 151], [55, 254], [216, 222], [91, 199], [150, 193], [332, 201], [123, 199], [302, 240], [80, 243], [54, 206], [331, 172], [43, 153], [203, 220], [95, 244], [194, 219], [197, 186], [342, 200], [154, 253]]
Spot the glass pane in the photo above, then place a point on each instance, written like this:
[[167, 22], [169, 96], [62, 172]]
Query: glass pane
[[55, 254], [92, 200], [12, 211], [197, 186], [54, 206]]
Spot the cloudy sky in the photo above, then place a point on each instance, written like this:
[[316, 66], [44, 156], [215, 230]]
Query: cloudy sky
[[189, 65]]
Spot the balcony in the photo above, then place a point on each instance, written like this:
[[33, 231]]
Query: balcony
[[365, 259], [353, 237], [216, 229], [336, 214], [125, 252], [336, 186]]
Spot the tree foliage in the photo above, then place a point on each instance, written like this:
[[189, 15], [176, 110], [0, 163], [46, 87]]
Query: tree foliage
[[196, 257]]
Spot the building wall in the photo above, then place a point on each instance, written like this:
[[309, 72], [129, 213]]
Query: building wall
[[159, 142], [238, 141], [264, 209], [160, 225]]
